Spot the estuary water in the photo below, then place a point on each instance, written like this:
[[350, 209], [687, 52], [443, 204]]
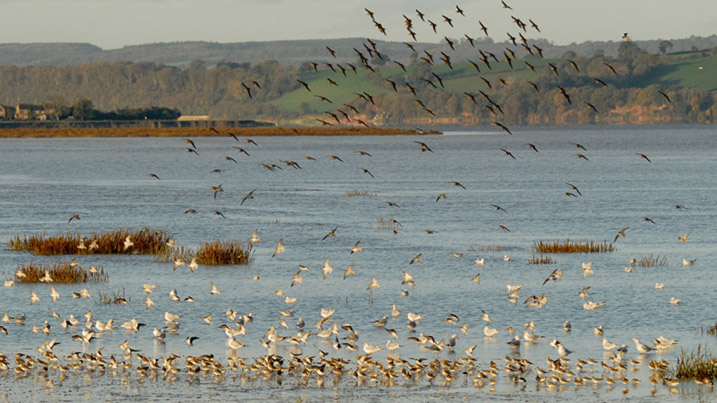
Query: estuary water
[[106, 182]]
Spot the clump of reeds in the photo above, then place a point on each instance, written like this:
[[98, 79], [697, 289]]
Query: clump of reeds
[[651, 261], [387, 223], [541, 260], [145, 241], [227, 252], [113, 298], [489, 248], [696, 365], [62, 272], [569, 246], [172, 254], [359, 193]]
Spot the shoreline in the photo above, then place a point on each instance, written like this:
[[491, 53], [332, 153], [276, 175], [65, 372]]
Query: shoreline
[[206, 132]]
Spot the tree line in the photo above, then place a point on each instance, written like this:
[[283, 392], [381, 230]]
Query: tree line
[[631, 93]]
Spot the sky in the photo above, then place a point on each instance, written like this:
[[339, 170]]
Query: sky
[[112, 24]]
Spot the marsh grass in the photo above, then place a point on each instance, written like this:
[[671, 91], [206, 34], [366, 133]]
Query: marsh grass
[[113, 298], [569, 246], [489, 248], [227, 252], [359, 193], [62, 273], [170, 254], [541, 260], [387, 223], [651, 261], [700, 364], [145, 242]]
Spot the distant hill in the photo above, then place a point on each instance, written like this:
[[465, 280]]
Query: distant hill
[[290, 52]]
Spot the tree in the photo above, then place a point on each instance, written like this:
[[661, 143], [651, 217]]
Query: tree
[[665, 46], [83, 109]]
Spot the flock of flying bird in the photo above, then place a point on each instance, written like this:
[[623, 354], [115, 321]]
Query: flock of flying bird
[[365, 368]]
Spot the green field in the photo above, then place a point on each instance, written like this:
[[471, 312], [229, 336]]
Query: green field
[[699, 72], [684, 71]]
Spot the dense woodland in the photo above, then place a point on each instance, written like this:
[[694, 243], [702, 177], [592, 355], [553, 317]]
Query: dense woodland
[[632, 93]]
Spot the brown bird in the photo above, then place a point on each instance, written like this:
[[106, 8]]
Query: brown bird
[[508, 153], [499, 208], [424, 146], [665, 96], [621, 233], [219, 213], [331, 51], [580, 146], [247, 197], [533, 147], [241, 150], [502, 127], [574, 188], [153, 176], [191, 211], [458, 184], [505, 5], [601, 82], [648, 219], [504, 228], [583, 157], [366, 171], [611, 68], [189, 141], [643, 156], [441, 196], [303, 84], [191, 150], [591, 106]]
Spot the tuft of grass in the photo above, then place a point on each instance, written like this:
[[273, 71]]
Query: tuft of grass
[[145, 241], [227, 252], [541, 260], [650, 261], [113, 298], [387, 223], [359, 193], [696, 365], [63, 273], [489, 248], [569, 246]]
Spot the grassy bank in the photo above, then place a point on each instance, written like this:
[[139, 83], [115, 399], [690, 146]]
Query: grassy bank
[[204, 132]]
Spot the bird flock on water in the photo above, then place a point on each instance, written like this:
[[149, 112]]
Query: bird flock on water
[[373, 362]]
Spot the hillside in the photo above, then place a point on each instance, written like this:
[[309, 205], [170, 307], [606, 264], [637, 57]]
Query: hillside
[[288, 52], [477, 87]]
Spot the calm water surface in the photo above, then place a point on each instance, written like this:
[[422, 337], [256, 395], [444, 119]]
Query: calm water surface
[[105, 181]]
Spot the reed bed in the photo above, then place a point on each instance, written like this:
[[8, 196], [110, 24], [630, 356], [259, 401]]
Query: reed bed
[[387, 223], [356, 193], [696, 365], [63, 273], [489, 248], [541, 260], [227, 252], [114, 298], [172, 254], [569, 246], [145, 242], [650, 261]]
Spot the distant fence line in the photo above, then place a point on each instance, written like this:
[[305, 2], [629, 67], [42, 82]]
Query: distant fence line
[[108, 124]]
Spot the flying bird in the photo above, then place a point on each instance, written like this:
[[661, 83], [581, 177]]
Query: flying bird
[[621, 233], [247, 197]]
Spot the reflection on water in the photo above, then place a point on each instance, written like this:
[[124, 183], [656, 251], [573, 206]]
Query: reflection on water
[[106, 182]]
